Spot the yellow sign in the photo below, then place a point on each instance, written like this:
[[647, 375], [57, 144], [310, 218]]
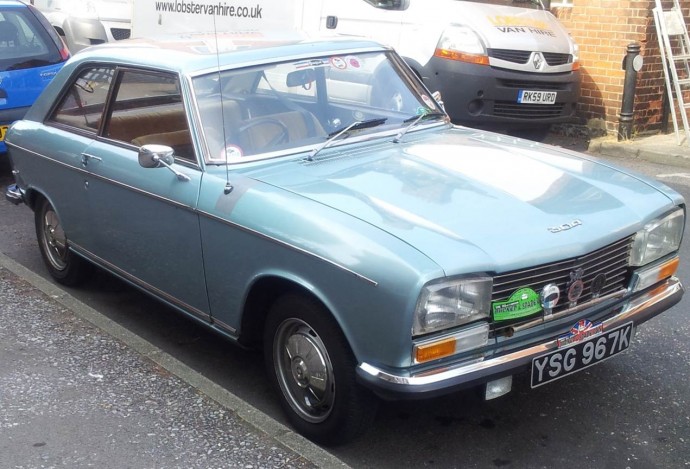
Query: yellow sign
[[517, 22], [3, 131]]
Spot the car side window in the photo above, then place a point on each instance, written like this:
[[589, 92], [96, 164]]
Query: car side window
[[82, 106], [148, 109]]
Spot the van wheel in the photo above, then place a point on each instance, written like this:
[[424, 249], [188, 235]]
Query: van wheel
[[63, 265], [312, 367]]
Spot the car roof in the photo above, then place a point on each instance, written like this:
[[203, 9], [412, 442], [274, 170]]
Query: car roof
[[196, 53], [12, 3]]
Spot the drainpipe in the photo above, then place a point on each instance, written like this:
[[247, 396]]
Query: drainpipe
[[632, 63]]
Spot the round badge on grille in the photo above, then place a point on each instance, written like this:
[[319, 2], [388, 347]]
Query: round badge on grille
[[598, 285], [549, 297], [575, 290]]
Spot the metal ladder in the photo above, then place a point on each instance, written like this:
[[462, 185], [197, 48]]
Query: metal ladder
[[674, 45]]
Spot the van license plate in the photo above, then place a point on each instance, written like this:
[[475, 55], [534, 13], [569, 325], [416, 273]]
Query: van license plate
[[536, 97], [3, 131], [577, 357]]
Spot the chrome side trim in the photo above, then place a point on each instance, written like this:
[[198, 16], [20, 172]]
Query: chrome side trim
[[139, 283], [226, 327], [635, 309], [287, 245]]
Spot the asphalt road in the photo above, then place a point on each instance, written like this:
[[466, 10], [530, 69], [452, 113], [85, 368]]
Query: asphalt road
[[632, 411]]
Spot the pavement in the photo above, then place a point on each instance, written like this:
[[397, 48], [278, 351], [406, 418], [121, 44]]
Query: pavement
[[78, 390]]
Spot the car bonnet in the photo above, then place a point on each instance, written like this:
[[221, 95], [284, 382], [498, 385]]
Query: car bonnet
[[474, 201]]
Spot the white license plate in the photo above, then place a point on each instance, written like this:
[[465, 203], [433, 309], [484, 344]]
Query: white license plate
[[536, 97], [3, 131], [581, 355]]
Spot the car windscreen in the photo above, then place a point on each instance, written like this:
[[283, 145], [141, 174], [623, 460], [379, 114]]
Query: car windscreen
[[299, 105], [24, 42]]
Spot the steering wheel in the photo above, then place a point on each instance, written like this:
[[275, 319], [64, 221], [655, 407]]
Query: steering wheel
[[245, 132]]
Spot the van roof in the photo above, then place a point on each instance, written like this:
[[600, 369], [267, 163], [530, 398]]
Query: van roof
[[196, 53]]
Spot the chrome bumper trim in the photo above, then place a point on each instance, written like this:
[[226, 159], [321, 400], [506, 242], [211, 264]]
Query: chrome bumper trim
[[13, 194], [438, 381]]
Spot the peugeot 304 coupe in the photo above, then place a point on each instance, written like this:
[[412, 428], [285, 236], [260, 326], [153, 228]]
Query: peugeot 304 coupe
[[309, 197]]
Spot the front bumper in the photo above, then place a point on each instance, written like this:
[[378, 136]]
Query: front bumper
[[479, 94], [447, 379], [14, 194]]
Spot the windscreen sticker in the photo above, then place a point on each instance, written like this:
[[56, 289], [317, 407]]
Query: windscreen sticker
[[353, 61], [231, 152], [523, 302], [338, 62]]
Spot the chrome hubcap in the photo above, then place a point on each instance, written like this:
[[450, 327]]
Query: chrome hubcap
[[54, 240], [304, 370]]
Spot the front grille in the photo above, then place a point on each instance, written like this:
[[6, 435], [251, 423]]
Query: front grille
[[611, 260], [554, 58], [533, 85], [522, 56], [120, 33], [509, 55], [527, 111]]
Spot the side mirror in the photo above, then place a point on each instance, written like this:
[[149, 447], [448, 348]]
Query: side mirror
[[155, 156]]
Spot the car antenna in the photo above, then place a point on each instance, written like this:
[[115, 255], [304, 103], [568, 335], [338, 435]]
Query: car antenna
[[228, 187]]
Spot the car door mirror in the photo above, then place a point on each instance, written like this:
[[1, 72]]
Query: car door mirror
[[155, 156]]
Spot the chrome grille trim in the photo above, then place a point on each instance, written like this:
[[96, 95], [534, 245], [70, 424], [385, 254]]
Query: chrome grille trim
[[612, 260]]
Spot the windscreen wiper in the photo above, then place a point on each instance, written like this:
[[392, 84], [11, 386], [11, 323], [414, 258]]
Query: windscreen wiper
[[414, 120], [356, 125]]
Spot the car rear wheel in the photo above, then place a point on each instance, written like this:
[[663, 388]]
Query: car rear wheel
[[311, 365], [64, 266]]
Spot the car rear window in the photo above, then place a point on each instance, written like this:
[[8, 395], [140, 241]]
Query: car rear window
[[24, 42]]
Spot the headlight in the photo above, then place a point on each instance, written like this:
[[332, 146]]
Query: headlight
[[452, 303], [461, 43], [658, 238]]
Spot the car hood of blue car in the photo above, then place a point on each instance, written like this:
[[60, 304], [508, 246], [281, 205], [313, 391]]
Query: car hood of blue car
[[476, 201]]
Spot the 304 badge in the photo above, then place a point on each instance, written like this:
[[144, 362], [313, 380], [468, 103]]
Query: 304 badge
[[586, 344]]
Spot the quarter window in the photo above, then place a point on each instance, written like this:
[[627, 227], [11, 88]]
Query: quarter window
[[83, 104]]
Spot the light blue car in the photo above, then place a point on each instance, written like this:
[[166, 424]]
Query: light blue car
[[310, 197], [31, 53]]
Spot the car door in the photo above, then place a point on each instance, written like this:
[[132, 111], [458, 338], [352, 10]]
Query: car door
[[144, 219], [69, 130]]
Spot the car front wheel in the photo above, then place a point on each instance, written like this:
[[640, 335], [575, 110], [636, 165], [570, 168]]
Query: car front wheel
[[64, 266], [312, 367]]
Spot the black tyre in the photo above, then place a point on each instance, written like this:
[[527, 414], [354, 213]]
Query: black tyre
[[312, 367], [64, 266]]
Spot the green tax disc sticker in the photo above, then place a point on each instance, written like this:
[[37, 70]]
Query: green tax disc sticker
[[523, 302]]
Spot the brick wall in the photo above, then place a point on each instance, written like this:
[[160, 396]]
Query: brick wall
[[603, 29]]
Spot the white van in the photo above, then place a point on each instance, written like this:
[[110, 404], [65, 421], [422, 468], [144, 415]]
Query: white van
[[507, 62], [83, 23]]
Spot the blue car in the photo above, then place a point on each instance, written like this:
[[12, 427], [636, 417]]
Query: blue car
[[31, 54], [311, 198]]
